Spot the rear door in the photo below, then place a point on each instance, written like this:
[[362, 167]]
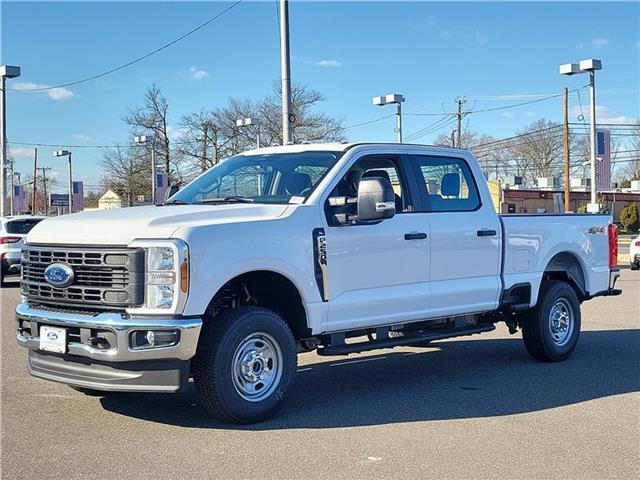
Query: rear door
[[464, 235]]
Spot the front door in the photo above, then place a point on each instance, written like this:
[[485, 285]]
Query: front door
[[378, 274]]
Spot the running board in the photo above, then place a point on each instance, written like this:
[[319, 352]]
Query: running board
[[339, 347]]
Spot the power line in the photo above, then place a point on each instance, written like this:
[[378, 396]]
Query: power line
[[368, 122], [437, 125], [61, 145], [132, 62]]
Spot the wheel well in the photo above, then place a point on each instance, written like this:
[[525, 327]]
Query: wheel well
[[266, 289], [566, 267]]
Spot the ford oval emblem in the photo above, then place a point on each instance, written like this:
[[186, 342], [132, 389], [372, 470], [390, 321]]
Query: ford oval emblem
[[59, 275], [53, 336]]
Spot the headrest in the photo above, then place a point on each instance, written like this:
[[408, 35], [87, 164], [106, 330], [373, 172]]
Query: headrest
[[450, 186], [377, 173], [296, 183]]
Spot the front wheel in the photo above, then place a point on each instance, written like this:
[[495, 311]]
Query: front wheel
[[245, 364], [551, 329]]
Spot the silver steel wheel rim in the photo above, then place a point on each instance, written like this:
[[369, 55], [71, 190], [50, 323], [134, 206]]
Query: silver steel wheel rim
[[561, 323], [257, 367]]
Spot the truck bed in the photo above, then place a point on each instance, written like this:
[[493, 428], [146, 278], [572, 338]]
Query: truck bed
[[530, 242]]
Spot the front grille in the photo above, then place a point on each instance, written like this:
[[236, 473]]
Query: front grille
[[109, 278]]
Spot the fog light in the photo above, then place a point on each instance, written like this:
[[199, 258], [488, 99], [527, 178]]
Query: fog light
[[144, 339]]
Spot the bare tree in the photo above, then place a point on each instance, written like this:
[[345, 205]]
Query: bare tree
[[210, 136], [127, 171], [151, 118], [631, 167], [490, 159], [538, 151]]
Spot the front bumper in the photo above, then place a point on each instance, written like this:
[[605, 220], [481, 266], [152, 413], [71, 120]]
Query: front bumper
[[101, 352]]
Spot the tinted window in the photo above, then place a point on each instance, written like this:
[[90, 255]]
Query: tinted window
[[449, 183], [22, 227]]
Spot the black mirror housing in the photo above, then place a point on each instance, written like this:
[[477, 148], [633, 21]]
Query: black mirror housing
[[376, 199]]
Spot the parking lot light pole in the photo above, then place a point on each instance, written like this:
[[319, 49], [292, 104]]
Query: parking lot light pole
[[144, 140], [396, 98], [590, 65], [6, 71], [67, 153], [247, 122]]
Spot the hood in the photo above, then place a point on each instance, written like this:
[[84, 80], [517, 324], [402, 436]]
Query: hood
[[120, 226]]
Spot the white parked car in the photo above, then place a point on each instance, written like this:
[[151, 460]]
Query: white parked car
[[338, 248], [634, 253], [13, 230]]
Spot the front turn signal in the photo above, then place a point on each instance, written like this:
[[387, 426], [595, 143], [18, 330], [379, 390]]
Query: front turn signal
[[184, 276]]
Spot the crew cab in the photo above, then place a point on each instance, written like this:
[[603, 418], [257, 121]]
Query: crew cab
[[338, 248]]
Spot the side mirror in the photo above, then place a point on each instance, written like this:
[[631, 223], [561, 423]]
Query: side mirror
[[170, 192], [376, 199]]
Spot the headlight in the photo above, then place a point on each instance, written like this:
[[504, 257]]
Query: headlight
[[166, 276]]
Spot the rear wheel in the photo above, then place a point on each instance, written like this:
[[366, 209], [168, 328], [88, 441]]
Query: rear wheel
[[245, 364], [551, 329]]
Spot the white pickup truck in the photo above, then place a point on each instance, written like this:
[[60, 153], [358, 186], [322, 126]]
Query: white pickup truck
[[338, 248]]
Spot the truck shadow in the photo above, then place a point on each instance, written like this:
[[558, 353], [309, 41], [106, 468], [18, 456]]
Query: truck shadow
[[450, 380]]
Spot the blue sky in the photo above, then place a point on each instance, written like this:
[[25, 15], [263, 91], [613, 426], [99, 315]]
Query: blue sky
[[495, 54]]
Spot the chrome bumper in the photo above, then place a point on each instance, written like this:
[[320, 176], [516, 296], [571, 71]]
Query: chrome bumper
[[121, 327]]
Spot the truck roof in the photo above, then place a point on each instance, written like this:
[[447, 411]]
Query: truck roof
[[331, 147]]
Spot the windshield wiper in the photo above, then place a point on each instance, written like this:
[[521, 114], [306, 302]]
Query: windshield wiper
[[177, 202], [229, 199]]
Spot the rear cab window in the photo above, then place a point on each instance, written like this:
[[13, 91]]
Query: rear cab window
[[448, 184], [21, 227]]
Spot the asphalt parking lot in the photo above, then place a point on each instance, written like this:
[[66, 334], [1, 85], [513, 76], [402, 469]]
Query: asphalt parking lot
[[473, 408]]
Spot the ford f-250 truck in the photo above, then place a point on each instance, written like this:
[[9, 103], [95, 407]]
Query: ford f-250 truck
[[338, 248]]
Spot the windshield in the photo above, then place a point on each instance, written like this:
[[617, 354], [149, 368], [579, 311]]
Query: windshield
[[22, 227], [269, 178]]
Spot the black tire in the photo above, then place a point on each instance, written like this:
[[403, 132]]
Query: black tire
[[221, 386], [635, 266], [538, 327]]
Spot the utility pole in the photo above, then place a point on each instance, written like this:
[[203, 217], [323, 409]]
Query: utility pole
[[6, 71], [593, 207], [35, 180], [460, 102], [11, 185], [285, 72], [453, 138], [70, 187], [44, 185], [565, 135]]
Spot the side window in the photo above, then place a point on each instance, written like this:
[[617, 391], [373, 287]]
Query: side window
[[385, 166], [449, 184]]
